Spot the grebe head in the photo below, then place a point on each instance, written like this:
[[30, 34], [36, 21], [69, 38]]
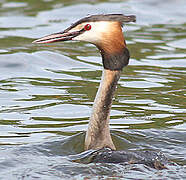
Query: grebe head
[[104, 31], [94, 29]]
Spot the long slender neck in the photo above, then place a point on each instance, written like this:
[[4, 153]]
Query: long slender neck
[[98, 133], [115, 56]]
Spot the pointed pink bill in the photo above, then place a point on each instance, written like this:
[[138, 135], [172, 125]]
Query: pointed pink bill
[[61, 36]]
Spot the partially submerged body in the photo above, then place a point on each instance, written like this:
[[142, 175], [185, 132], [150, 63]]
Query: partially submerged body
[[153, 159]]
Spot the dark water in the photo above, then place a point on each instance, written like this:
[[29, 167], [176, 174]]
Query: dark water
[[46, 91]]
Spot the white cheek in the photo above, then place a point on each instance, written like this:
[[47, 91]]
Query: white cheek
[[95, 34], [88, 36]]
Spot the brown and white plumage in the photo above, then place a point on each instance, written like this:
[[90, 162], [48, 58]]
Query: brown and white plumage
[[104, 31]]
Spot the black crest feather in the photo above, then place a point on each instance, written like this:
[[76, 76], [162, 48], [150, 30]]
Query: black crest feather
[[104, 17]]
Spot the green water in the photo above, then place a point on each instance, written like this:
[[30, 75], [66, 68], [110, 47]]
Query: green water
[[47, 91]]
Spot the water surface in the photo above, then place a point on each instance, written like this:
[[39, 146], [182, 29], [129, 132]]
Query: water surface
[[47, 91]]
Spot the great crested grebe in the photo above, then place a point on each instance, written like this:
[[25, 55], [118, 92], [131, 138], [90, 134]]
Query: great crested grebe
[[105, 32]]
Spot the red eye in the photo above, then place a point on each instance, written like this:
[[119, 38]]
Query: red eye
[[87, 27]]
